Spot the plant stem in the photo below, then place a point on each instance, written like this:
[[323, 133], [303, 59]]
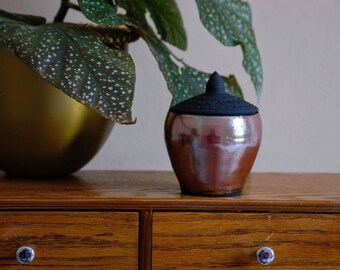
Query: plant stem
[[65, 5]]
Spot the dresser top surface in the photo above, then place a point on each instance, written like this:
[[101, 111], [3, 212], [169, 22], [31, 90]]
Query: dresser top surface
[[136, 190]]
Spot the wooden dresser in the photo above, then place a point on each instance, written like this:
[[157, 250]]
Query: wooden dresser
[[139, 220]]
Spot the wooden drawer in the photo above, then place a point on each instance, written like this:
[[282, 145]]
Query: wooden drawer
[[230, 240], [70, 240]]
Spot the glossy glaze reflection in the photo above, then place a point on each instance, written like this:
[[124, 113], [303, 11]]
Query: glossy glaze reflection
[[212, 155]]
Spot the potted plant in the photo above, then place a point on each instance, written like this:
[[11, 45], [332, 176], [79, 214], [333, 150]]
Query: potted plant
[[90, 65]]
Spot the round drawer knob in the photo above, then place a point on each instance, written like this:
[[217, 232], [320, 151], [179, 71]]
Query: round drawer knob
[[25, 255], [265, 255]]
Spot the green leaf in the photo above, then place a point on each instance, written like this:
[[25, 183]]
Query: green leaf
[[183, 81], [232, 86], [168, 21], [229, 21], [137, 12], [101, 12], [74, 59], [165, 14]]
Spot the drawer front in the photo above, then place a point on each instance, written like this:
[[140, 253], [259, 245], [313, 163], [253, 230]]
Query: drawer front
[[70, 240], [231, 240]]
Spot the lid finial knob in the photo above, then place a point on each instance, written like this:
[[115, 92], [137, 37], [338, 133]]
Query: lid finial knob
[[215, 84]]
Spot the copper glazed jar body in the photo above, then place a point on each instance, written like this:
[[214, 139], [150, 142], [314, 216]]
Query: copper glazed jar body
[[43, 132], [212, 155]]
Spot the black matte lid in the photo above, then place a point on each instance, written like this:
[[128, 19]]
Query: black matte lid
[[215, 102]]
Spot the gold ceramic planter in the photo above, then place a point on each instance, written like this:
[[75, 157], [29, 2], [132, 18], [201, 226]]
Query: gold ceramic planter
[[43, 132]]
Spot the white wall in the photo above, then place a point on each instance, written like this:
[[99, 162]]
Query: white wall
[[300, 105]]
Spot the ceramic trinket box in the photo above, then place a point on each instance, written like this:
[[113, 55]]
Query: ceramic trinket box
[[212, 140]]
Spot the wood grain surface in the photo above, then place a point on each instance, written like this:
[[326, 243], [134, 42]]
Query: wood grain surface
[[73, 222], [230, 240], [112, 190], [145, 240], [70, 240]]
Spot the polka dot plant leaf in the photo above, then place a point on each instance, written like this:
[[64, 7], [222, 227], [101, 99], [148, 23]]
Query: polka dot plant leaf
[[133, 10], [165, 14], [229, 21], [101, 12], [168, 21], [75, 59], [183, 81]]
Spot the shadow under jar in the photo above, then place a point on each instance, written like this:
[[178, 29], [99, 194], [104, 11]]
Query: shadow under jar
[[212, 140]]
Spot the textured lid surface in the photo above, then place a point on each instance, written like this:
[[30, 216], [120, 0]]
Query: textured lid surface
[[215, 102]]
